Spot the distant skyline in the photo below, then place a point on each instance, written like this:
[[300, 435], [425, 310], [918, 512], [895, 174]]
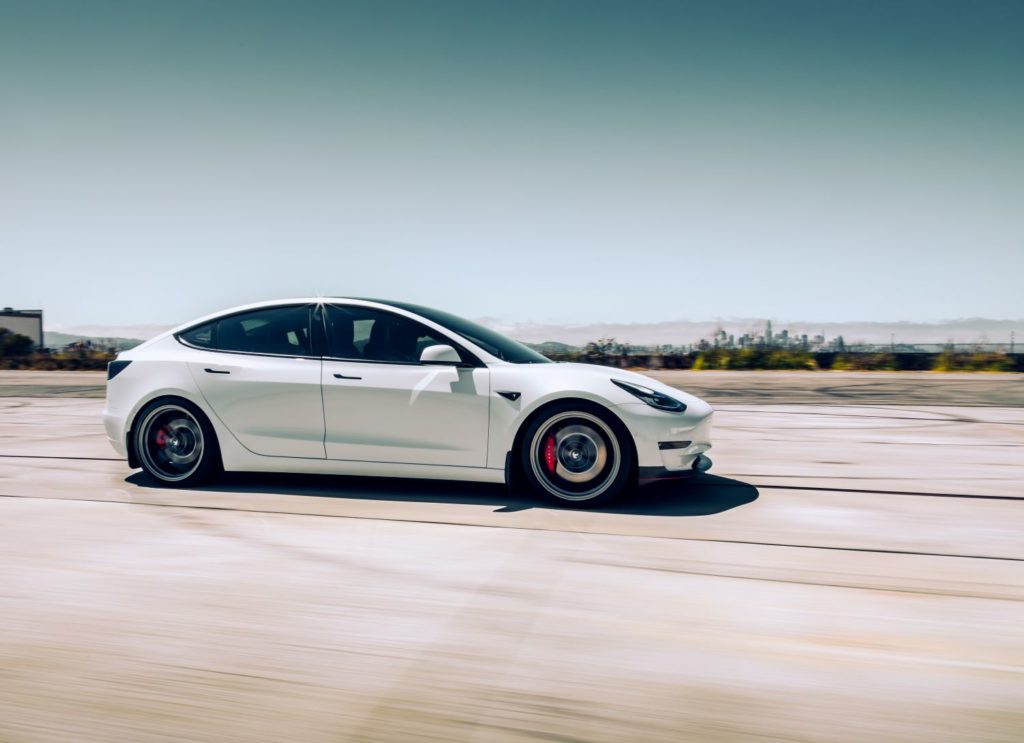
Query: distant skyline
[[555, 163]]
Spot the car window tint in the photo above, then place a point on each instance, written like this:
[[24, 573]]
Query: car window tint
[[201, 336], [491, 341], [372, 335], [275, 330]]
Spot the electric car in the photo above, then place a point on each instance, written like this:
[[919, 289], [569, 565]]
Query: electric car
[[370, 387]]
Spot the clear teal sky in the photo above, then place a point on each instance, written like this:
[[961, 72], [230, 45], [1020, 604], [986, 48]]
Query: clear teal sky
[[551, 161]]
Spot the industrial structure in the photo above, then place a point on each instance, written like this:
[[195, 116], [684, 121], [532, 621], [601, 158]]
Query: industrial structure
[[24, 322]]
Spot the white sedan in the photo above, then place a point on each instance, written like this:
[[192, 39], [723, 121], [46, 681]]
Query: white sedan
[[368, 387]]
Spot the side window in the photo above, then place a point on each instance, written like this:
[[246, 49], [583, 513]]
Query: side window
[[201, 336], [363, 333], [282, 331]]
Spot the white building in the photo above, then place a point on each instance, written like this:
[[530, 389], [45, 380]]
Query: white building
[[24, 322]]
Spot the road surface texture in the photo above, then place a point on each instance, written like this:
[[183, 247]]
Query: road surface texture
[[854, 571]]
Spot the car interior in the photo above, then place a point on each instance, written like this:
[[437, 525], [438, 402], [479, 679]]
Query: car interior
[[276, 332], [379, 338]]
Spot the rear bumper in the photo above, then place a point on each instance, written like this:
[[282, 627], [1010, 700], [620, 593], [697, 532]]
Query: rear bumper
[[114, 426]]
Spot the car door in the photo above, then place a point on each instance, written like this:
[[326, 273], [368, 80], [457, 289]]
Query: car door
[[382, 405], [260, 375]]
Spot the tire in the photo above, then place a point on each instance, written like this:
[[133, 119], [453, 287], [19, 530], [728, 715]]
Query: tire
[[578, 455], [175, 443]]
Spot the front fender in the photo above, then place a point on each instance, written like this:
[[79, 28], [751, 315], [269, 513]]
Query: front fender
[[539, 387]]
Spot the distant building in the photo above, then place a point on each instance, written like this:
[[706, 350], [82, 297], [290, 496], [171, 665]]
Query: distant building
[[24, 322]]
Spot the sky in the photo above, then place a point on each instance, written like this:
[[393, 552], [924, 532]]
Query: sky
[[548, 162]]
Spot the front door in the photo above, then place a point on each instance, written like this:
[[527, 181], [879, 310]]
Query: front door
[[382, 405]]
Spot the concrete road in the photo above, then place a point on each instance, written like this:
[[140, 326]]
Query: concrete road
[[854, 571]]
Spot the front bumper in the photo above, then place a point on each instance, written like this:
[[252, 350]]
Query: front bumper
[[701, 463], [651, 428]]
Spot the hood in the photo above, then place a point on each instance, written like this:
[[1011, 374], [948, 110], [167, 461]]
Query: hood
[[601, 373]]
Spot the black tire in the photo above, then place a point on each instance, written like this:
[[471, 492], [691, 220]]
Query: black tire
[[175, 443], [577, 454]]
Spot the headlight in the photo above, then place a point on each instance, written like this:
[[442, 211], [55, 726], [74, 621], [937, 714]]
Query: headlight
[[651, 397]]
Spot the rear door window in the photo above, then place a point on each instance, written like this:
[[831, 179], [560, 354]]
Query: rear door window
[[280, 331]]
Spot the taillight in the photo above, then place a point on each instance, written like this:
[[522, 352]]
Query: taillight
[[116, 367]]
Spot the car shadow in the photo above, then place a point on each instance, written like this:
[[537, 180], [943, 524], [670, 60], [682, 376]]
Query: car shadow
[[702, 495]]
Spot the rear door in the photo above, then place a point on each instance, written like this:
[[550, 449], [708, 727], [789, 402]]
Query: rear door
[[382, 405], [259, 374]]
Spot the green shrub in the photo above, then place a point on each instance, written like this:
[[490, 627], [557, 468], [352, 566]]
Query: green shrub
[[754, 358], [973, 361], [865, 362]]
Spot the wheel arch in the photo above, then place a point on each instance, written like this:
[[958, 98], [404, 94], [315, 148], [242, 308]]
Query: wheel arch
[[513, 468], [160, 397]]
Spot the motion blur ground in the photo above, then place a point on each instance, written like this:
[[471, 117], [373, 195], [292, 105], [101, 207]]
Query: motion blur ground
[[854, 571]]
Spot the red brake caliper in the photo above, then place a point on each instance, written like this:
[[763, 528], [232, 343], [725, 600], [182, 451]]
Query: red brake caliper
[[549, 454], [161, 437]]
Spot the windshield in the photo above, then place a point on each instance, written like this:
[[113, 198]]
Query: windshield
[[491, 341]]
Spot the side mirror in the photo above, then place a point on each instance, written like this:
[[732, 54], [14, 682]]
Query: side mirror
[[440, 355]]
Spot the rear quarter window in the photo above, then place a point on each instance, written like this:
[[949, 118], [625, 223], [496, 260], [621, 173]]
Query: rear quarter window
[[201, 336]]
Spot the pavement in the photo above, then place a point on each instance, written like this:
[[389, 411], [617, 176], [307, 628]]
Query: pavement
[[853, 570]]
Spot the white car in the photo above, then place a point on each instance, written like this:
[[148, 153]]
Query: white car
[[368, 387]]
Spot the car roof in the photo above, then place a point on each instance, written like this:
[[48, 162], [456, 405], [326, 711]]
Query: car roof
[[278, 302]]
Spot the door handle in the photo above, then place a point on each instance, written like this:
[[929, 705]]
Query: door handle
[[208, 370], [342, 376]]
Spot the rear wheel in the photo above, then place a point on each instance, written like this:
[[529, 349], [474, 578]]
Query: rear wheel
[[176, 444], [578, 455]]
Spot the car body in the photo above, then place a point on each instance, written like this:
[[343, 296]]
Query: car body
[[368, 387]]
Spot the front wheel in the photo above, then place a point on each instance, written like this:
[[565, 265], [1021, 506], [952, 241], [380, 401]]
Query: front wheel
[[578, 455], [176, 444]]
